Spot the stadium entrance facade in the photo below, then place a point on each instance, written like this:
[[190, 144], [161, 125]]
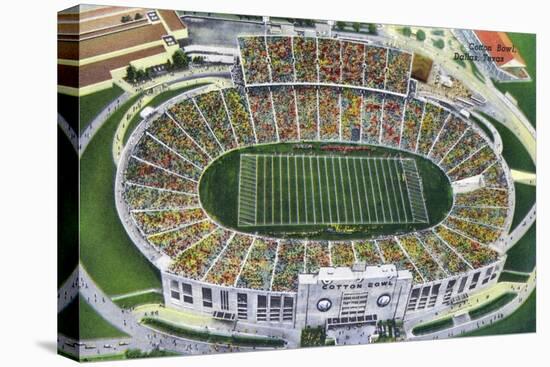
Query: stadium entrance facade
[[335, 296]]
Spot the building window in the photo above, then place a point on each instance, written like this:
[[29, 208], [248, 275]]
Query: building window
[[275, 308], [187, 291], [242, 306], [224, 299], [474, 280], [288, 309], [207, 297], [462, 284], [175, 290], [261, 309]]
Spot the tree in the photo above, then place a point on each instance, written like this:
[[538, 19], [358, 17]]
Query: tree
[[420, 35], [131, 73], [372, 28], [356, 26], [138, 16], [140, 74], [180, 60], [198, 60], [406, 31], [340, 25]]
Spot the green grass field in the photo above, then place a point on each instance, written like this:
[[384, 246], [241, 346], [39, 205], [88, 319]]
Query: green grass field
[[526, 195], [92, 104], [513, 151], [142, 299], [524, 92], [523, 256], [106, 251], [492, 305], [521, 321], [287, 190], [222, 201], [80, 321]]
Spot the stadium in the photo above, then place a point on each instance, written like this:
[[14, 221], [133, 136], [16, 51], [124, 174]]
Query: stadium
[[319, 190]]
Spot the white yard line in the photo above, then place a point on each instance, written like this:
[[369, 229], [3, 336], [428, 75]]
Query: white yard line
[[357, 184], [305, 187], [400, 189], [335, 191], [320, 189], [366, 191], [379, 191], [342, 186], [350, 190], [393, 189], [312, 190], [328, 190]]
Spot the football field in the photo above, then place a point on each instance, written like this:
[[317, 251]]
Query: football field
[[286, 190]]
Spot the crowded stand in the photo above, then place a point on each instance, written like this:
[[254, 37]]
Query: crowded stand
[[261, 109], [328, 51], [239, 116], [254, 60], [449, 135], [375, 72], [258, 269], [226, 270], [442, 253], [341, 254], [391, 122], [367, 252], [285, 113], [160, 182], [162, 220], [305, 55], [325, 61], [353, 59], [392, 254], [398, 70], [146, 174], [329, 113], [189, 117], [290, 262], [212, 108], [317, 256], [351, 114], [306, 103], [425, 264], [280, 56], [174, 241], [169, 132], [372, 116], [411, 124], [432, 123], [195, 261], [151, 150]]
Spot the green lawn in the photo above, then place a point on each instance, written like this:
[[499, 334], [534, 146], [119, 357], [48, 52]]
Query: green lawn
[[156, 101], [521, 321], [512, 277], [92, 104], [105, 249], [80, 321], [433, 326], [210, 337], [221, 201], [522, 257], [313, 337], [513, 151], [524, 92], [492, 305], [67, 208], [142, 299], [526, 195]]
